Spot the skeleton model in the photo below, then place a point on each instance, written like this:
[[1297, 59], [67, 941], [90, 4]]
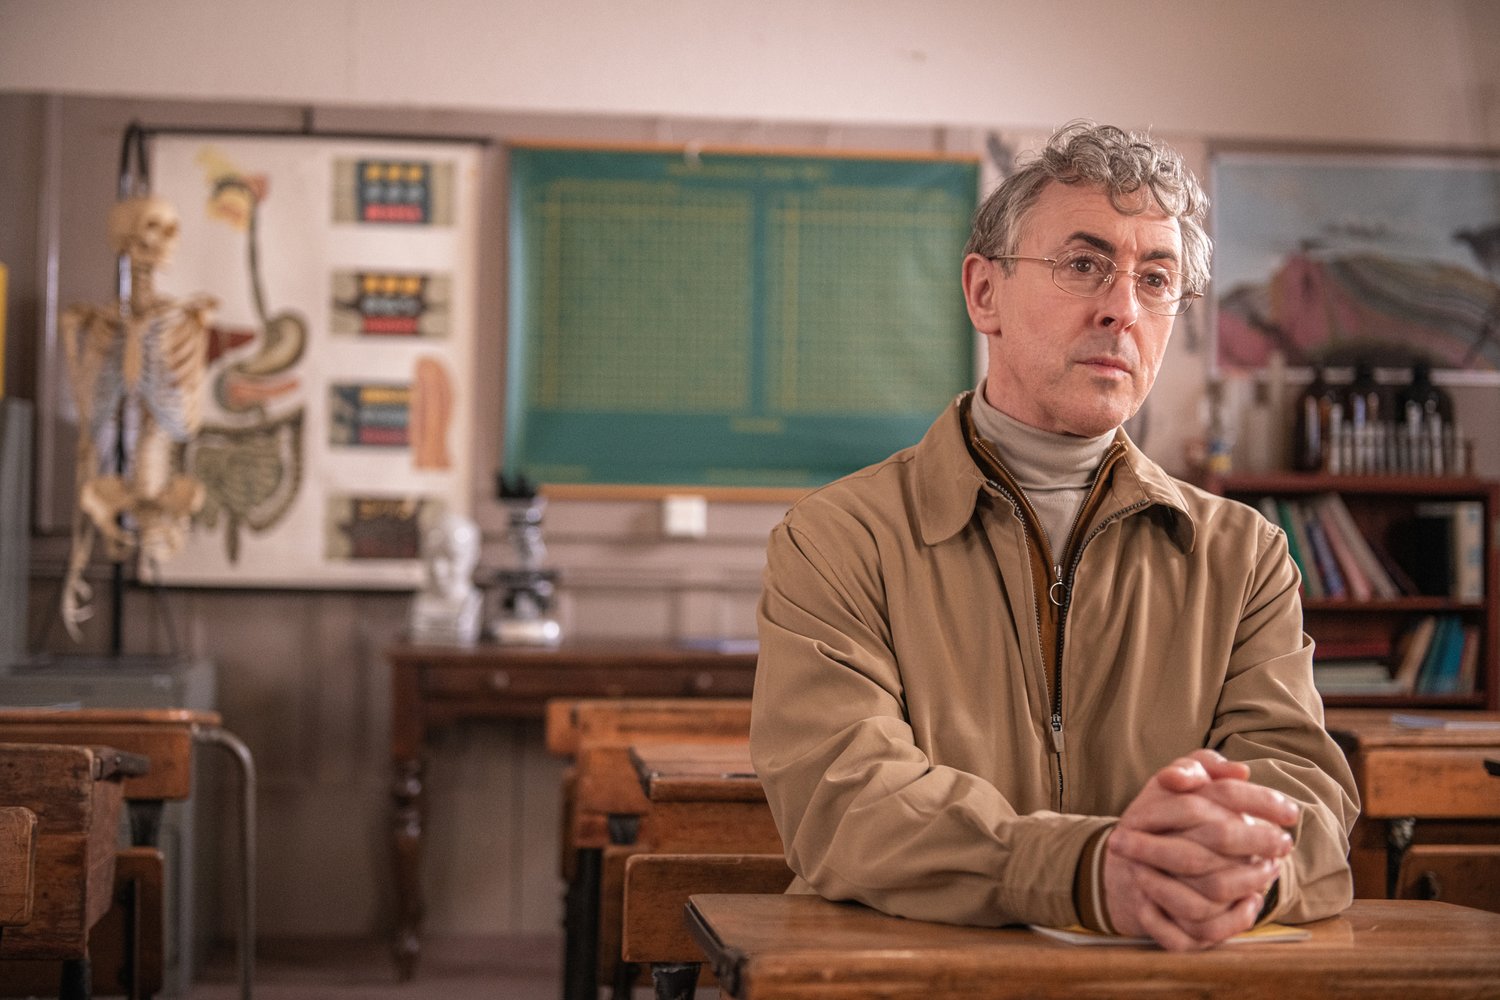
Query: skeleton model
[[137, 375]]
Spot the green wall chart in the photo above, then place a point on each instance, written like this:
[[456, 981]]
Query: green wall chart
[[729, 319]]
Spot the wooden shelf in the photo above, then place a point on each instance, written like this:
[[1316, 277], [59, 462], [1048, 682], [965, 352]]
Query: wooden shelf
[[1346, 628]]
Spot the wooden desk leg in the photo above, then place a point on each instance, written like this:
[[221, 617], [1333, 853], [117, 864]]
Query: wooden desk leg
[[406, 830], [145, 821], [77, 981], [674, 980], [1398, 837], [581, 927]]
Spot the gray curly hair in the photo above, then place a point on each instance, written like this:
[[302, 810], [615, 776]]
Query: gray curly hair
[[1083, 152]]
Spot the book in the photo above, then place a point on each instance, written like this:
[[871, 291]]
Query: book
[[1468, 550], [1413, 651], [1355, 677], [1361, 549], [1439, 671], [1468, 661], [1297, 543], [1355, 581], [1328, 567], [1423, 545], [1078, 934]]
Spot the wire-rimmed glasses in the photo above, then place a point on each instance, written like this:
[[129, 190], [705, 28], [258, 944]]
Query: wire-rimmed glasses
[[1087, 273]]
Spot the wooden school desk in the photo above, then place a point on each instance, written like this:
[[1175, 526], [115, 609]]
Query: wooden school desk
[[702, 799], [76, 796], [792, 947], [165, 737], [1417, 785], [435, 686], [605, 804]]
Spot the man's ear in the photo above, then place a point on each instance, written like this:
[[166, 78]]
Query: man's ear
[[982, 293]]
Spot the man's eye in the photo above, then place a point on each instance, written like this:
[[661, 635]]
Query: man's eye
[[1158, 280], [1085, 264]]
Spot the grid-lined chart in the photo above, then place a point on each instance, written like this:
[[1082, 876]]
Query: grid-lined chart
[[729, 319]]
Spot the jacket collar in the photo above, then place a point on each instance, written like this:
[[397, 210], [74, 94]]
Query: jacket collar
[[948, 483]]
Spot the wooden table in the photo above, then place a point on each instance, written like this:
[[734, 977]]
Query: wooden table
[[790, 947], [435, 686], [1416, 785], [76, 795], [164, 737]]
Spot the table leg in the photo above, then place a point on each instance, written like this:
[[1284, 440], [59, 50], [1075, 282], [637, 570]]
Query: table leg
[[1398, 837], [674, 980], [145, 821], [581, 927], [238, 750], [77, 980], [406, 831]]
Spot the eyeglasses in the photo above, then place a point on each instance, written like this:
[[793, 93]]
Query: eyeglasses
[[1085, 273]]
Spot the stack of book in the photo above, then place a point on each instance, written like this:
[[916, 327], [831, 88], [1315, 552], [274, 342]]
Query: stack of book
[[1437, 655], [1438, 552]]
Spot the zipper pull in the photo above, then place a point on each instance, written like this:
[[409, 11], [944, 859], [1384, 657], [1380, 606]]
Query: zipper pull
[[1057, 732], [1056, 591]]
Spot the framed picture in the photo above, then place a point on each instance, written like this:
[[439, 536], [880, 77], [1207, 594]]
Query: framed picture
[[1337, 256], [336, 422]]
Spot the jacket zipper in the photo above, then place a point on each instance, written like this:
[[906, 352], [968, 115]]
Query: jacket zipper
[[1027, 517], [1064, 599]]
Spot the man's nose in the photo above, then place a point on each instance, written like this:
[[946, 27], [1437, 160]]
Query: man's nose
[[1119, 306]]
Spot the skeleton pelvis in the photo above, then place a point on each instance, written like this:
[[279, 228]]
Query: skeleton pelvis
[[107, 499]]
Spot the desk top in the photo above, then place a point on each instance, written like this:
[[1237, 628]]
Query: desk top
[[790, 946], [697, 772], [1373, 728], [164, 736], [579, 655], [109, 716]]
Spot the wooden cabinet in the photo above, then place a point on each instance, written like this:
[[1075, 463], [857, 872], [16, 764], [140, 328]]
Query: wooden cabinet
[[1382, 508]]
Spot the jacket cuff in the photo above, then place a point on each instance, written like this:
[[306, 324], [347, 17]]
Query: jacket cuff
[[1088, 884]]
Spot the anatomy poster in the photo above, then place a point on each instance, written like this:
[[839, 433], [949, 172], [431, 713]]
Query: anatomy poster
[[336, 420]]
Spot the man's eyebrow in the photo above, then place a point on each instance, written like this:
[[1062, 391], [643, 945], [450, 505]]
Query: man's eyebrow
[[1104, 246]]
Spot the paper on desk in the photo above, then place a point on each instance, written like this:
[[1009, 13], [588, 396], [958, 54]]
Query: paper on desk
[[1438, 722], [1078, 934]]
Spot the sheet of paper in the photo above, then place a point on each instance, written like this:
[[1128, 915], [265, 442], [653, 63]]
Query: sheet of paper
[[1078, 934]]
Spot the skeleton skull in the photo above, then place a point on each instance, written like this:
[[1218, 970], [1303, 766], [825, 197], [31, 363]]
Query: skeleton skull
[[144, 228]]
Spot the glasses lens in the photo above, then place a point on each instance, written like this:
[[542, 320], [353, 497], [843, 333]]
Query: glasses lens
[[1082, 272], [1159, 289]]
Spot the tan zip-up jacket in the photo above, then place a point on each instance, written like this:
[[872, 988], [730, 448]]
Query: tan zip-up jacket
[[903, 722]]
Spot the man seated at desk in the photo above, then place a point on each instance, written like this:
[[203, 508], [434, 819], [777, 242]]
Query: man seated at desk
[[1017, 673]]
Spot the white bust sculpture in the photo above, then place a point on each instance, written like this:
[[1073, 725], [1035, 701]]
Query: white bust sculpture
[[447, 609]]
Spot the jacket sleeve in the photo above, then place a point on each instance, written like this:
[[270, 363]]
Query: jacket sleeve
[[863, 813], [1270, 716]]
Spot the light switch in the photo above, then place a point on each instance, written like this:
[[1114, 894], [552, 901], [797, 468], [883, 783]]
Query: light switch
[[684, 516]]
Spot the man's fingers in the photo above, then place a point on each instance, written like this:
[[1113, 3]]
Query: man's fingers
[[1255, 800], [1199, 768], [1237, 919], [1172, 854]]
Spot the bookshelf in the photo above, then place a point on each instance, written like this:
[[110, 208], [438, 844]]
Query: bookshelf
[[1384, 510]]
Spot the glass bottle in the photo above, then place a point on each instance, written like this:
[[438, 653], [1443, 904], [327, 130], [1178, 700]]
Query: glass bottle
[[1312, 422], [1425, 413], [1368, 416]]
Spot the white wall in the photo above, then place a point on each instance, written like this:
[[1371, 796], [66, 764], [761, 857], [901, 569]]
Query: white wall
[[1410, 71]]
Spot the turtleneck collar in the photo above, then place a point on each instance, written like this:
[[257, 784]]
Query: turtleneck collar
[[1038, 459]]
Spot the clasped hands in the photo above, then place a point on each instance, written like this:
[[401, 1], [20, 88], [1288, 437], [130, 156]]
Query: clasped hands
[[1191, 859]]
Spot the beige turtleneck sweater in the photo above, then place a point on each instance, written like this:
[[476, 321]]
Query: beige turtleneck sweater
[[1054, 470]]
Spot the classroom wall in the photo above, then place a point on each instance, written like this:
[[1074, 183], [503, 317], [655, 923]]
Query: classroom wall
[[301, 674]]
